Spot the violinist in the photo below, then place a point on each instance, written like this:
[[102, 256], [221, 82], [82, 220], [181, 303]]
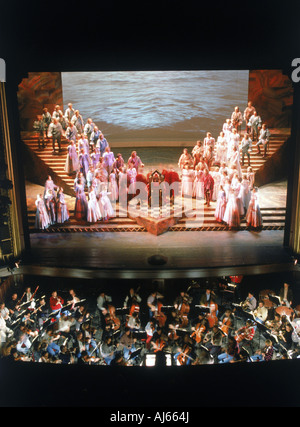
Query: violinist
[[73, 299], [107, 350], [213, 341], [128, 343], [245, 334], [41, 313], [134, 322], [268, 351]]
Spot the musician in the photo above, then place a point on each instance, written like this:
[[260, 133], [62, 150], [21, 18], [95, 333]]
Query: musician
[[199, 327], [131, 298], [13, 305], [73, 300], [268, 351], [5, 331], [152, 302], [102, 302], [250, 303], [230, 353], [134, 322], [56, 302], [4, 312], [150, 328], [261, 312], [286, 295], [41, 313], [213, 341], [226, 322], [107, 350], [207, 297], [128, 343], [245, 334], [285, 337], [275, 325]]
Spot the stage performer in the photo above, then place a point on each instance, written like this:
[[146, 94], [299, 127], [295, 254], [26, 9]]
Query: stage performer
[[72, 161], [81, 204], [95, 136], [84, 163], [88, 129], [42, 219], [108, 160], [197, 152], [236, 118], [221, 205], [248, 112], [187, 181], [221, 149], [246, 147], [184, 159], [56, 131], [71, 133], [39, 129], [113, 187], [263, 139], [198, 190], [105, 206], [102, 144], [93, 212], [208, 185], [231, 215], [62, 209], [50, 203], [253, 216], [245, 192], [208, 141], [69, 113], [47, 120], [136, 161], [78, 122], [255, 125]]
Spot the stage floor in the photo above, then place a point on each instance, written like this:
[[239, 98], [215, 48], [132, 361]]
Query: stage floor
[[187, 253]]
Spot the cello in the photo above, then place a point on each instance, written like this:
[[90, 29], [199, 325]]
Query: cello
[[212, 315], [198, 333]]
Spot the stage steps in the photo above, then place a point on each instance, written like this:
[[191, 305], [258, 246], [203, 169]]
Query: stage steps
[[273, 218]]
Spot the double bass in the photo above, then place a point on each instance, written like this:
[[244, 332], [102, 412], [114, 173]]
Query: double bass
[[159, 315]]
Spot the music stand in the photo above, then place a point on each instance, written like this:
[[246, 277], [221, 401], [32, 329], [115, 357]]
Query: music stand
[[135, 353]]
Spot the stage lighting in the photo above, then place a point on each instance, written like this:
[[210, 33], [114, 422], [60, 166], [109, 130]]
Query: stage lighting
[[150, 359]]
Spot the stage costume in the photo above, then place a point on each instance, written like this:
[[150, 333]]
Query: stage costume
[[93, 212], [101, 144], [42, 219], [253, 216], [187, 182], [84, 163], [246, 147], [245, 193], [221, 150], [113, 187], [81, 204], [198, 190], [51, 206], [231, 215], [217, 181], [71, 133], [208, 184], [221, 206], [62, 209], [108, 161], [105, 206], [255, 124], [72, 161], [77, 120]]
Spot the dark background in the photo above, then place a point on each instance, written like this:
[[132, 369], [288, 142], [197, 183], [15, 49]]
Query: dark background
[[40, 36]]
